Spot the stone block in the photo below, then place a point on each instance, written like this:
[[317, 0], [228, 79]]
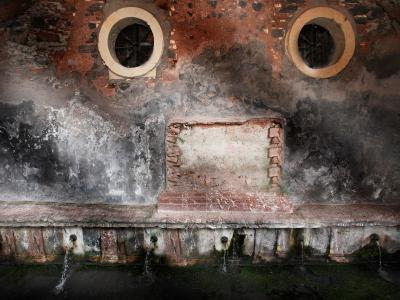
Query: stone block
[[225, 201], [274, 152], [275, 160], [95, 7], [274, 172], [89, 48], [346, 241], [283, 242], [275, 180], [159, 245], [391, 240], [130, 244], [288, 9], [359, 10], [317, 239], [29, 244], [7, 243], [53, 242], [92, 242], [205, 241], [265, 240], [248, 243], [173, 252], [109, 252], [218, 234], [78, 245], [275, 140], [188, 240], [277, 32], [274, 132]]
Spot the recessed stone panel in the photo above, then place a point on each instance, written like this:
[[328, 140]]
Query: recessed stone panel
[[224, 165], [221, 155]]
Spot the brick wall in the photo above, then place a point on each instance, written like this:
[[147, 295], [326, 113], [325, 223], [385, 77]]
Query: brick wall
[[66, 30], [225, 58]]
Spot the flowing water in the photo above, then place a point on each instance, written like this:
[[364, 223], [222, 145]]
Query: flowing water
[[224, 264], [235, 260], [380, 254], [302, 267], [388, 276], [59, 288], [147, 263], [270, 282]]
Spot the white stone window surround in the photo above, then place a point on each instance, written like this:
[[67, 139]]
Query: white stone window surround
[[340, 26], [109, 31]]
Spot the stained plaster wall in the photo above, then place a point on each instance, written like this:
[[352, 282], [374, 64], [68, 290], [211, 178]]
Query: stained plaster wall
[[68, 134]]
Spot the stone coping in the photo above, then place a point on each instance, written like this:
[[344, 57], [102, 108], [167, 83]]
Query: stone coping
[[33, 214]]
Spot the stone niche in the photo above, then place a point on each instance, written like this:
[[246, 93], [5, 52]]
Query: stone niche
[[224, 165]]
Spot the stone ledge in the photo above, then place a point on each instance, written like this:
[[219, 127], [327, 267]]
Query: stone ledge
[[30, 214], [224, 201]]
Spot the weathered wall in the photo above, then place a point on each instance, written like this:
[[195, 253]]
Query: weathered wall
[[68, 134], [228, 156], [198, 245]]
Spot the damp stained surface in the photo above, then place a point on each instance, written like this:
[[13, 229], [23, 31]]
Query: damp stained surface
[[229, 156], [207, 282], [67, 133]]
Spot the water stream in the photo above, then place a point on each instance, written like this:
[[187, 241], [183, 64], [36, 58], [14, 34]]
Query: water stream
[[147, 264], [59, 288], [302, 253], [302, 267], [235, 257], [224, 265], [380, 254], [385, 275]]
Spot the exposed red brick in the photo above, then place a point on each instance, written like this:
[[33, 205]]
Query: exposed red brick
[[195, 27], [73, 60]]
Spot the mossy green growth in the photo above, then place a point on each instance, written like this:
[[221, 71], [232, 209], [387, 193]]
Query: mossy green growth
[[284, 189], [330, 282]]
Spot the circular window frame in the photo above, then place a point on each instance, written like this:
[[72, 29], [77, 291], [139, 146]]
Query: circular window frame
[[340, 26], [110, 29]]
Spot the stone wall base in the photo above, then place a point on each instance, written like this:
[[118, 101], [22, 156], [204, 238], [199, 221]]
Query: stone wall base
[[196, 245]]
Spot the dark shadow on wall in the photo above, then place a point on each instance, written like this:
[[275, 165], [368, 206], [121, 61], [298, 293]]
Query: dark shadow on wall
[[28, 149], [336, 150], [339, 151]]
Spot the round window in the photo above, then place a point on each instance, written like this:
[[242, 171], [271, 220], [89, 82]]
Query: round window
[[321, 41], [131, 42], [316, 46], [134, 45]]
